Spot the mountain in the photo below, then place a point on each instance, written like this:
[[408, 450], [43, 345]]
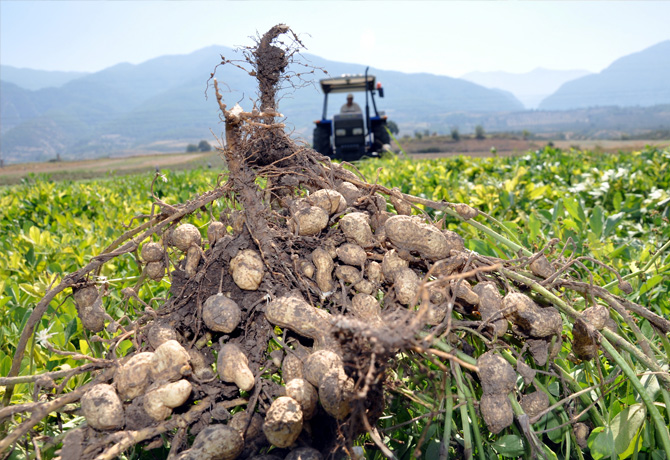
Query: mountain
[[530, 87], [638, 79], [16, 106], [36, 79], [411, 99], [105, 112], [169, 98]]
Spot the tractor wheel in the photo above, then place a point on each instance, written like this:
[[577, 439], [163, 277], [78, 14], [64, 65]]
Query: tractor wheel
[[322, 141], [381, 137]]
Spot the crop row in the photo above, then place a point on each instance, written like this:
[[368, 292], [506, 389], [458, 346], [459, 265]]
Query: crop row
[[614, 208]]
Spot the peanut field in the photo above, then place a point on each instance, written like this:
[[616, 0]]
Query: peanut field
[[291, 307], [613, 207]]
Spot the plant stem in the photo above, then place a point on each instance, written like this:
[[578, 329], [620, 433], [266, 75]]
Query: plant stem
[[595, 415], [502, 226], [465, 422], [446, 436], [449, 349], [643, 269], [661, 427], [469, 395], [611, 335], [644, 359], [493, 234]]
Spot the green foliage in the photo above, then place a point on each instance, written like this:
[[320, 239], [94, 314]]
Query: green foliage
[[204, 146], [191, 148], [393, 127], [50, 229], [615, 208], [479, 132]]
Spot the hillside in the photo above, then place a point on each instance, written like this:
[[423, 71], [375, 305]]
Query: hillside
[[529, 87], [126, 106], [16, 105], [639, 79], [591, 123], [103, 112], [129, 107], [37, 79]]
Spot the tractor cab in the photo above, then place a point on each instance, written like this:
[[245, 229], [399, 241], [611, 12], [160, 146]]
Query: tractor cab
[[351, 135]]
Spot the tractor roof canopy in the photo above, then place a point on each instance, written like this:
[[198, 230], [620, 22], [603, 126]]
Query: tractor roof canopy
[[348, 84]]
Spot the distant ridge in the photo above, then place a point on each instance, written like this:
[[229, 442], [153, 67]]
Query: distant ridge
[[639, 79], [529, 87], [169, 101], [36, 79], [126, 106]]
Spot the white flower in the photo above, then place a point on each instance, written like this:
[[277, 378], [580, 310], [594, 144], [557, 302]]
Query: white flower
[[656, 194], [43, 336], [580, 187]]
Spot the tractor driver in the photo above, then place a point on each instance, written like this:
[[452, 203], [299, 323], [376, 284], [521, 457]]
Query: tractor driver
[[350, 106]]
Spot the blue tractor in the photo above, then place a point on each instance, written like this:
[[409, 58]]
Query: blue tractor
[[352, 135]]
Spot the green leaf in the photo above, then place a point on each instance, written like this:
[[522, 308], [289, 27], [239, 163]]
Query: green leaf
[[481, 247], [70, 329], [557, 210], [616, 201], [551, 422], [632, 447], [510, 445], [625, 426], [5, 365], [612, 222], [618, 438], [650, 283], [548, 453], [34, 234], [574, 208], [601, 443], [431, 431], [571, 224], [596, 221], [83, 347], [433, 449], [535, 227], [4, 301], [658, 454], [554, 388], [538, 192], [618, 251]]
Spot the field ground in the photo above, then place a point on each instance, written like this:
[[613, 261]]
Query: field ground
[[425, 148], [88, 169], [442, 146]]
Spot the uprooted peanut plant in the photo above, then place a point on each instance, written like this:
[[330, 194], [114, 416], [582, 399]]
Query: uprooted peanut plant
[[288, 328]]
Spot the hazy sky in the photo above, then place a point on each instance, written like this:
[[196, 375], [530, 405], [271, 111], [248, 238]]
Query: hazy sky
[[441, 37]]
